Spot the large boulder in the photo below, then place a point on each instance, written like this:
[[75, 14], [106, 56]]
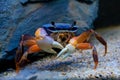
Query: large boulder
[[17, 19]]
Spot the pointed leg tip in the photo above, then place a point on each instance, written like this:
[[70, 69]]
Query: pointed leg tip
[[63, 51], [17, 68], [105, 54], [95, 67], [17, 71], [96, 64], [57, 56]]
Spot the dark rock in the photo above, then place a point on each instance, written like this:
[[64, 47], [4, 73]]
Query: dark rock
[[25, 2], [16, 19], [7, 60], [86, 1], [108, 13]]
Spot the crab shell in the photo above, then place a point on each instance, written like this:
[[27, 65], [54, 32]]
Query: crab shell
[[61, 32], [60, 27]]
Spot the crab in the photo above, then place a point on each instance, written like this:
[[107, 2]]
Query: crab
[[56, 35], [49, 36]]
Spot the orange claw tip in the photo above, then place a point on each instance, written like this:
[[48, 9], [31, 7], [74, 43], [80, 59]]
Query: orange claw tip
[[40, 32]]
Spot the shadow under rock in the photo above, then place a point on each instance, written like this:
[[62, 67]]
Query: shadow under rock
[[7, 61]]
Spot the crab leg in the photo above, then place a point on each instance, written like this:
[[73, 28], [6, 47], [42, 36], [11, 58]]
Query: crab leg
[[19, 62], [95, 57], [62, 52], [32, 49], [101, 40], [26, 40], [19, 54], [89, 46]]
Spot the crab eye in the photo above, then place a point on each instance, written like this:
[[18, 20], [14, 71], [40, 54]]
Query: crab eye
[[73, 24], [53, 24]]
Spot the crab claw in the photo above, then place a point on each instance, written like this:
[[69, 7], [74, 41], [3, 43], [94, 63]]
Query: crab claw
[[69, 49], [56, 44], [45, 42]]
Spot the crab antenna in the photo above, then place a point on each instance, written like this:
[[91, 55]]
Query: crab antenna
[[53, 23], [73, 24]]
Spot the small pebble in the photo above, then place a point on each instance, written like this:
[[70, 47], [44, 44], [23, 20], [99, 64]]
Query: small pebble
[[96, 77], [5, 73], [115, 50], [100, 75], [63, 73]]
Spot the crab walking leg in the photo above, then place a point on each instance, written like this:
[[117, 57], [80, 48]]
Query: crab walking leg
[[20, 49], [26, 40], [95, 57], [62, 52], [29, 43], [32, 49], [66, 55], [19, 54], [28, 37], [101, 40], [19, 60], [94, 53]]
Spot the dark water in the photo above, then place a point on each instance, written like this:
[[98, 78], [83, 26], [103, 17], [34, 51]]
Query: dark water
[[108, 14]]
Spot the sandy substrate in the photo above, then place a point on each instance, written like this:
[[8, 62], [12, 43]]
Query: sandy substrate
[[78, 65]]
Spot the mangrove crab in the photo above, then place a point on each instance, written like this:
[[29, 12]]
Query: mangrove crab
[[57, 35], [47, 37]]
